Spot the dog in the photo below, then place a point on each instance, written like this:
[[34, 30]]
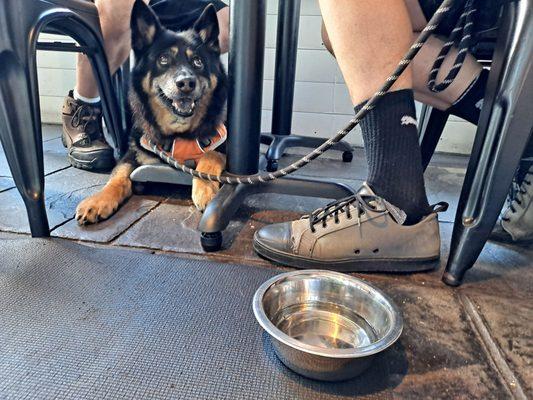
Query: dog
[[178, 93]]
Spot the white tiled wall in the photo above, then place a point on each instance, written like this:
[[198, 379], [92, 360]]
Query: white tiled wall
[[321, 103]]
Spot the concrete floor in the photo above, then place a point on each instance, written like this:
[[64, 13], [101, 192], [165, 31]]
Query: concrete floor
[[475, 341]]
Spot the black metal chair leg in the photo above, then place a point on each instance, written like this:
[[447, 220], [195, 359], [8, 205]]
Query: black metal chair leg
[[20, 133], [503, 132], [432, 123]]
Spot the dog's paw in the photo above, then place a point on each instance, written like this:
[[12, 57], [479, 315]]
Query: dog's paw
[[96, 208], [203, 192]]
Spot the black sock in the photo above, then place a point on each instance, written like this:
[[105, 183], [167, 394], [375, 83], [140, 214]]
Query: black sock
[[468, 106], [393, 154]]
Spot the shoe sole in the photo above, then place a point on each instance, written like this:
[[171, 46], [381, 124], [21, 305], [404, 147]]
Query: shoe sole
[[89, 162], [362, 265], [95, 164]]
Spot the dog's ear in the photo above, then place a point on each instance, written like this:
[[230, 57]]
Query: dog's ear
[[145, 26], [207, 27]]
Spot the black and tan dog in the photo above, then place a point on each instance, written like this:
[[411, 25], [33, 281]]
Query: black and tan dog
[[178, 91]]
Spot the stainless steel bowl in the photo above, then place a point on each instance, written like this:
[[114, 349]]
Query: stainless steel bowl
[[326, 325]]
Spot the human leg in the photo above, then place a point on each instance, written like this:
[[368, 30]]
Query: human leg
[[82, 111], [389, 223], [389, 130]]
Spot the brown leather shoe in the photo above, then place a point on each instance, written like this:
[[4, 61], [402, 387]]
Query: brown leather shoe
[[83, 136]]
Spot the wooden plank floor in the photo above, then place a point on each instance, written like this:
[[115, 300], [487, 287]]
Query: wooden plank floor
[[477, 340]]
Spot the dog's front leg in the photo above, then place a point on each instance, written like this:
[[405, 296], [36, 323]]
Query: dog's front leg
[[103, 204], [203, 191]]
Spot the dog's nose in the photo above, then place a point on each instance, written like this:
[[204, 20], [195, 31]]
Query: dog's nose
[[186, 84]]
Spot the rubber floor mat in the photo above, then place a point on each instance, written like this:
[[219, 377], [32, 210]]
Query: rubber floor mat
[[78, 322]]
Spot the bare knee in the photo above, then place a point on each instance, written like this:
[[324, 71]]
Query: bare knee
[[115, 18]]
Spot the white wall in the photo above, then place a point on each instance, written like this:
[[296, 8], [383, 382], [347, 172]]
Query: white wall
[[321, 103]]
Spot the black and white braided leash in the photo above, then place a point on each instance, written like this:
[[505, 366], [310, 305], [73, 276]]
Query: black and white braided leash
[[369, 105], [461, 36]]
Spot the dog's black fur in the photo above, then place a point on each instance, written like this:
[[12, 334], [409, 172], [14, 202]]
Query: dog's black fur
[[178, 89]]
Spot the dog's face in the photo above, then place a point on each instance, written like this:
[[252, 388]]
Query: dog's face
[[178, 72]]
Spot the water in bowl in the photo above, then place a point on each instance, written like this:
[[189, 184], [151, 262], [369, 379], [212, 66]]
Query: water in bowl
[[325, 325]]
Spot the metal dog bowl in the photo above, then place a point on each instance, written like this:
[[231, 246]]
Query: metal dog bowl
[[326, 325]]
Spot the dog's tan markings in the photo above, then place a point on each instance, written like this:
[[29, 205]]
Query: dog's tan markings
[[204, 34], [174, 50], [203, 191], [103, 204], [189, 53], [213, 80], [165, 119], [147, 84], [147, 30], [143, 158]]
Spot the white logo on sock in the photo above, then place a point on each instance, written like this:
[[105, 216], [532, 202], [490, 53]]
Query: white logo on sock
[[408, 120], [479, 104]]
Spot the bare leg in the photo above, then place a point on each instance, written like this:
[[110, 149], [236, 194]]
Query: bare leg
[[115, 23], [366, 63]]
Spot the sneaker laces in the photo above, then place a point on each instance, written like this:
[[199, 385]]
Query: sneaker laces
[[88, 117], [358, 204]]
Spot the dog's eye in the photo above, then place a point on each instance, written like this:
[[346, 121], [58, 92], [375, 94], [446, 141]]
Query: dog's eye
[[163, 59], [197, 62]]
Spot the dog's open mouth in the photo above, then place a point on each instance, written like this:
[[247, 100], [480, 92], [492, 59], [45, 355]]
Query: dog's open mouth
[[182, 107]]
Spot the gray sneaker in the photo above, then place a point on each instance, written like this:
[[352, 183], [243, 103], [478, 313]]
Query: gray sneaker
[[359, 233], [516, 222]]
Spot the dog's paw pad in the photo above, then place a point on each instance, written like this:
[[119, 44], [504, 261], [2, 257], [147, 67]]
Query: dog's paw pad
[[95, 208], [203, 192]]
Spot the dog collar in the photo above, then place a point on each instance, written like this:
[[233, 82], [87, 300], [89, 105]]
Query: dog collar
[[187, 151]]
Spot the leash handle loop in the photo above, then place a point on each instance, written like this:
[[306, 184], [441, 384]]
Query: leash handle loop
[[461, 37]]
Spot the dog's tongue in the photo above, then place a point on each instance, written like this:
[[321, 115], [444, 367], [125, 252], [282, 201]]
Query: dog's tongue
[[184, 105]]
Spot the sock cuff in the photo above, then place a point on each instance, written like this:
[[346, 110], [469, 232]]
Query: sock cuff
[[395, 109], [88, 100], [392, 98]]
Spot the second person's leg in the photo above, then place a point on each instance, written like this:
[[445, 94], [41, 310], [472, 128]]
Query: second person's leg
[[82, 110]]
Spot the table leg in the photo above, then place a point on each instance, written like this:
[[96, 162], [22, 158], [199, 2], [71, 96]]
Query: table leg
[[244, 122], [245, 73]]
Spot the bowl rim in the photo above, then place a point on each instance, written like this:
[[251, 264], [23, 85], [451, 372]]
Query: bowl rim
[[391, 336]]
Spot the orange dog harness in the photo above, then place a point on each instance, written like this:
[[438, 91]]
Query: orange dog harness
[[186, 151]]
